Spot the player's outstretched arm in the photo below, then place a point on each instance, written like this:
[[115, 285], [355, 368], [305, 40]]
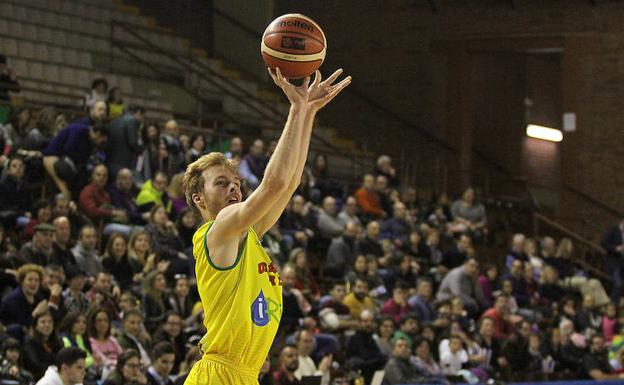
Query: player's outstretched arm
[[233, 220], [320, 93]]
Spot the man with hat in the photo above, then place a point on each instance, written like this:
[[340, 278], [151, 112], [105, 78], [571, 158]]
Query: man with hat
[[39, 250], [8, 81]]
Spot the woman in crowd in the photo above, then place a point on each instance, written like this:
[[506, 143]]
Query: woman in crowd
[[117, 262], [322, 186], [25, 302], [11, 367], [73, 331], [180, 299], [106, 349], [305, 281], [176, 195], [530, 249], [41, 347], [140, 251], [383, 338], [186, 225], [359, 269], [115, 103], [149, 162], [154, 301], [423, 358], [16, 130], [129, 370], [489, 283], [35, 142], [59, 123], [574, 278], [198, 148], [165, 240], [99, 92], [171, 331]]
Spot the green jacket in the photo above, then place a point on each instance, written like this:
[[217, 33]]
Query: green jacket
[[149, 197]]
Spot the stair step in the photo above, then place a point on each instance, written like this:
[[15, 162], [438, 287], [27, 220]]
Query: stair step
[[231, 73], [269, 96], [127, 8]]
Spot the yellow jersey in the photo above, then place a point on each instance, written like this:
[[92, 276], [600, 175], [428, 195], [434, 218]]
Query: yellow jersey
[[242, 303]]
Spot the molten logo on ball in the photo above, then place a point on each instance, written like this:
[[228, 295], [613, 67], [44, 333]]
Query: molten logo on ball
[[298, 24]]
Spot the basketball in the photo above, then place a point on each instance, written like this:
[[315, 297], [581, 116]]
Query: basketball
[[295, 44]]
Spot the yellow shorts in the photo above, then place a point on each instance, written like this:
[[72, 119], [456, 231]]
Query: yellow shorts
[[215, 370]]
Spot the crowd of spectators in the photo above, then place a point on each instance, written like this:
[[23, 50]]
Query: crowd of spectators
[[97, 274]]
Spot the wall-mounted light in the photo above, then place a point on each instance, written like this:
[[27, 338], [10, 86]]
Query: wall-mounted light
[[544, 133]]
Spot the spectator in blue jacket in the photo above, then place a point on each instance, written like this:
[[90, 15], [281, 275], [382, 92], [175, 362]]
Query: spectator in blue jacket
[[66, 156]]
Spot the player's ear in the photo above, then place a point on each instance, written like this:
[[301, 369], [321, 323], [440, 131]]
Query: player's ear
[[198, 199]]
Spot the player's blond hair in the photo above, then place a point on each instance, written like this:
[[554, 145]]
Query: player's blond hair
[[193, 180]]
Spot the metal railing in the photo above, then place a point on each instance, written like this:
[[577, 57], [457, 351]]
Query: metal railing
[[590, 254]]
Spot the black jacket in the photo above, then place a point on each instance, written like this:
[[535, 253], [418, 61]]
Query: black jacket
[[611, 240], [15, 195], [37, 358], [363, 353], [123, 143]]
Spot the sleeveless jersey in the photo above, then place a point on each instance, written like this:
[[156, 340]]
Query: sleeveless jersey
[[242, 303]]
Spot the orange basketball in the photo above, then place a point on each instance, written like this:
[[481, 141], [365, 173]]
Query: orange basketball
[[295, 44]]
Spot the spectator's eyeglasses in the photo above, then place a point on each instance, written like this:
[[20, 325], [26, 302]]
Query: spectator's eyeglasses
[[133, 366], [180, 276]]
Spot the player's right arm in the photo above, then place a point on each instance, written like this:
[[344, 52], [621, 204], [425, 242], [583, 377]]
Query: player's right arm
[[235, 219]]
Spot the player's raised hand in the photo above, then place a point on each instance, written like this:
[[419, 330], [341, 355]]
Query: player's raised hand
[[321, 93], [296, 95]]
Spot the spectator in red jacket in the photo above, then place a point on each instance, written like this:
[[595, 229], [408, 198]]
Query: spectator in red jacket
[[368, 199], [95, 201], [499, 313], [397, 306]]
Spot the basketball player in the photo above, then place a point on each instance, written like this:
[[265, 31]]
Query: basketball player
[[239, 287]]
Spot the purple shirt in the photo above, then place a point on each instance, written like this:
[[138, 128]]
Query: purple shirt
[[72, 141]]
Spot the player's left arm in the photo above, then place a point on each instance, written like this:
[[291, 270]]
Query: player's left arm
[[321, 93]]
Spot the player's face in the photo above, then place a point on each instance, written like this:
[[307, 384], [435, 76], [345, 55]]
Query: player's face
[[221, 189]]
